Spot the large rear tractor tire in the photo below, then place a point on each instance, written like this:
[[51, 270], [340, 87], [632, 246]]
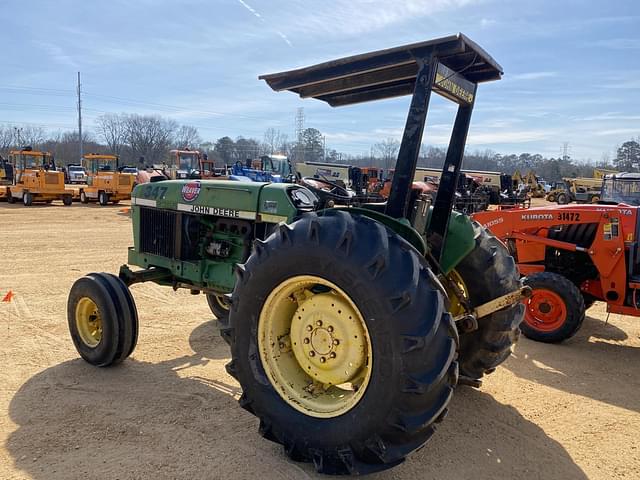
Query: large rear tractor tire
[[562, 198], [555, 310], [219, 306], [103, 320], [341, 343], [489, 272]]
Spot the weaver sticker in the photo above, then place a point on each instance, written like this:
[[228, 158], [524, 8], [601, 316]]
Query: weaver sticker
[[190, 191]]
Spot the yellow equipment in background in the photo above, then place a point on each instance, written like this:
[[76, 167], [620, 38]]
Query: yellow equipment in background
[[600, 173], [37, 178], [7, 177], [530, 180], [104, 182]]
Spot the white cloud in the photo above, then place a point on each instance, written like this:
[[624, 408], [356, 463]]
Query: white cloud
[[356, 17], [617, 43], [531, 75], [58, 54]]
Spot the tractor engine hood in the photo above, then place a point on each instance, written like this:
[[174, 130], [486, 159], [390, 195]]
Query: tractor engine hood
[[253, 201]]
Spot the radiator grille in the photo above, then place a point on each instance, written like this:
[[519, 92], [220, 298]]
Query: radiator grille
[[51, 178], [158, 232]]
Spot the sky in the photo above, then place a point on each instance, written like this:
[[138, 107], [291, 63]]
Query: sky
[[572, 68]]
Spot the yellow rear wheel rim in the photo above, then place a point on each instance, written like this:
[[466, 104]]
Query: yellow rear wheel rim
[[314, 346], [88, 322], [220, 300], [457, 308]]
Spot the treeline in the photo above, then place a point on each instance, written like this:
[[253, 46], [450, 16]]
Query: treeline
[[146, 140]]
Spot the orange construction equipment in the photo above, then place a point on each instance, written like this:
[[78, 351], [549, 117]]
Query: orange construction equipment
[[37, 179], [105, 183], [573, 255]]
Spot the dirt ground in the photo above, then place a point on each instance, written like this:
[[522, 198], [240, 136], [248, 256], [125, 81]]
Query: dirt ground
[[551, 412]]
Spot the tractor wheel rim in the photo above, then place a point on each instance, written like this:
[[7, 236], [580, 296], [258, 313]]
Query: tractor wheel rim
[[221, 301], [314, 346], [88, 322], [545, 310], [457, 308]]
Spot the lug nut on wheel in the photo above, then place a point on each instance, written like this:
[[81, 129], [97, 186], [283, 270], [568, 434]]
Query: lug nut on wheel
[[312, 353], [322, 359], [306, 341]]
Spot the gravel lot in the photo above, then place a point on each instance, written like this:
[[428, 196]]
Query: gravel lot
[[551, 412]]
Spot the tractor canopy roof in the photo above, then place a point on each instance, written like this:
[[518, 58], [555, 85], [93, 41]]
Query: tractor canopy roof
[[392, 72], [100, 156], [30, 153]]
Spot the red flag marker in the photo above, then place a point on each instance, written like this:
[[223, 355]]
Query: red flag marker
[[8, 297]]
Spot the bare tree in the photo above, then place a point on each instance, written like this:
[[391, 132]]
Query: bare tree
[[149, 137], [388, 150], [30, 135], [187, 136], [112, 129], [6, 137], [274, 140]]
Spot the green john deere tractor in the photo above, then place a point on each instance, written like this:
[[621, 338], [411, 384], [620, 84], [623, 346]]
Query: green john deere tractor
[[349, 326]]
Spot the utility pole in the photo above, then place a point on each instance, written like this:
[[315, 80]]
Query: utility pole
[[80, 120], [565, 151]]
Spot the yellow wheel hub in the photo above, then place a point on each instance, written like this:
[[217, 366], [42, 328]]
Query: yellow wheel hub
[[457, 308], [219, 299], [88, 322], [315, 347]]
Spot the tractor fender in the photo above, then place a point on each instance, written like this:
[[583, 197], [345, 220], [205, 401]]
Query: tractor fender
[[460, 241]]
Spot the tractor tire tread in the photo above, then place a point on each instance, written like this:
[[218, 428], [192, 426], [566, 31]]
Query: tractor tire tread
[[427, 348], [482, 350]]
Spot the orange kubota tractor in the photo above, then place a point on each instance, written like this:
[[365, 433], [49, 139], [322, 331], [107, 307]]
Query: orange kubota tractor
[[573, 255]]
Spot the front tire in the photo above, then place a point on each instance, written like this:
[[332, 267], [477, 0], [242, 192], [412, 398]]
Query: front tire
[[345, 286], [555, 310], [83, 197], [562, 198], [27, 199], [102, 318], [489, 272], [103, 198], [67, 200], [219, 306]]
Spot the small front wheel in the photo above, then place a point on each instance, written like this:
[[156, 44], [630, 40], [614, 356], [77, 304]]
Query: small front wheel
[[103, 320], [219, 306], [555, 309]]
